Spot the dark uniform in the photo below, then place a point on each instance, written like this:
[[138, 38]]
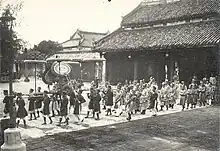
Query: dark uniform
[[21, 112], [46, 110]]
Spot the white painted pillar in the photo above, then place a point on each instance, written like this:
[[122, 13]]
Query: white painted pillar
[[104, 71]]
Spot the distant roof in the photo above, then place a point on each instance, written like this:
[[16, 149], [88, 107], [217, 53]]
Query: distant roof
[[170, 12], [80, 56], [85, 39], [31, 55], [178, 36]]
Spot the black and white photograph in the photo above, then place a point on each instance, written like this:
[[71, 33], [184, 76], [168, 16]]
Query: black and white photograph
[[110, 75]]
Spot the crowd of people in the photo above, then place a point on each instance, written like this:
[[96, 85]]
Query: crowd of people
[[129, 98], [139, 96]]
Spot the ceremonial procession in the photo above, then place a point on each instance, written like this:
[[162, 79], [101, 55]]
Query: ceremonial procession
[[138, 75]]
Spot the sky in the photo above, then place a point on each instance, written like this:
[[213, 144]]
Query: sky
[[57, 20]]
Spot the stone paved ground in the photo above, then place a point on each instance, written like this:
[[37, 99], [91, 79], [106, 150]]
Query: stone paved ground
[[194, 130]]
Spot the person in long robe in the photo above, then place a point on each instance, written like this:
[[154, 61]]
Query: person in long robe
[[21, 112], [91, 100], [144, 99], [6, 101], [31, 108], [64, 109], [153, 100], [96, 104], [38, 102], [201, 93], [183, 94], [46, 109], [109, 100], [130, 103], [77, 106]]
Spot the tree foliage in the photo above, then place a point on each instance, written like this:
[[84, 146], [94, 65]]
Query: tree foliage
[[10, 43], [47, 47]]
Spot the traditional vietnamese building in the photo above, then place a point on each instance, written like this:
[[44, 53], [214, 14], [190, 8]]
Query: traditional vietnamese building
[[79, 48], [166, 38]]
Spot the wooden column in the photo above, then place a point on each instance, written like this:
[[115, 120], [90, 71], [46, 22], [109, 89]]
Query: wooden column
[[135, 69], [218, 76], [171, 68]]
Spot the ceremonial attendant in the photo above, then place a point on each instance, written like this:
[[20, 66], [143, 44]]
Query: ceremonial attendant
[[64, 109], [173, 95], [194, 93], [153, 99], [32, 105], [109, 100], [77, 105], [91, 99], [21, 112], [183, 94], [6, 101], [96, 103], [130, 103], [144, 100], [55, 105], [38, 102], [202, 95], [72, 98], [46, 110]]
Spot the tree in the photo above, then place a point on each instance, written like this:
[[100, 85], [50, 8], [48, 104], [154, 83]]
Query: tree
[[47, 47], [10, 43]]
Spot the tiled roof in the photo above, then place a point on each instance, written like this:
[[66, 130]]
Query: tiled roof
[[70, 43], [176, 11], [86, 39], [186, 35], [78, 56], [31, 55], [90, 37]]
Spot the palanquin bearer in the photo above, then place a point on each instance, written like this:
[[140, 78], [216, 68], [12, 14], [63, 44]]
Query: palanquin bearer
[[55, 105], [78, 105], [31, 108], [21, 112], [46, 109], [64, 108], [202, 94], [183, 94]]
